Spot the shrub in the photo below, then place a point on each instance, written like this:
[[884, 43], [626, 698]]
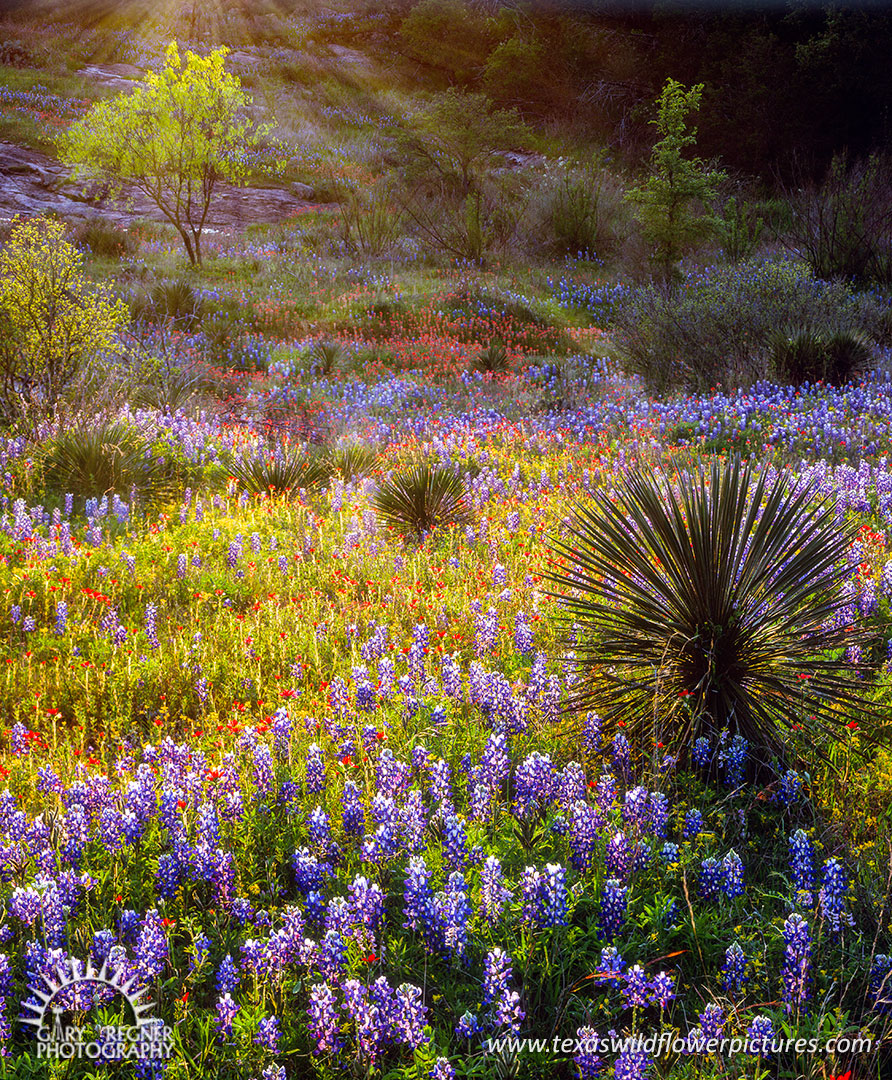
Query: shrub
[[716, 326], [104, 458], [805, 355], [105, 239], [740, 229], [422, 499], [53, 320], [579, 212], [370, 223], [843, 226], [280, 472], [709, 604]]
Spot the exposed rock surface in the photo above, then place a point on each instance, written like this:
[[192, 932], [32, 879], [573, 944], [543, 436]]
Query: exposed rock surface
[[33, 183]]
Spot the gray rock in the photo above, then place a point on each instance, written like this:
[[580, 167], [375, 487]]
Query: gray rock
[[303, 191]]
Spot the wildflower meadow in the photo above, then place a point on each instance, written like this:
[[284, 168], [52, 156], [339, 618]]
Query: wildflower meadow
[[426, 651]]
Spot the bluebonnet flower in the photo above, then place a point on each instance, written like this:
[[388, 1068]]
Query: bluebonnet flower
[[659, 814], [281, 728], [790, 788], [553, 896], [504, 1003], [227, 1010], [711, 878], [409, 1015], [693, 824], [618, 856], [319, 827], [832, 896], [636, 987], [353, 812], [268, 1034], [734, 969], [585, 823], [324, 1019], [366, 907], [622, 755], [494, 763], [732, 875], [587, 1061], [534, 783], [455, 843], [315, 770], [468, 1026], [613, 909], [796, 971], [442, 1070], [734, 761], [669, 853], [228, 976], [759, 1035], [605, 792], [332, 954], [702, 752], [712, 1022], [662, 989], [493, 893], [612, 967], [453, 916], [880, 981], [61, 617], [802, 867], [523, 634], [631, 1065], [151, 627]]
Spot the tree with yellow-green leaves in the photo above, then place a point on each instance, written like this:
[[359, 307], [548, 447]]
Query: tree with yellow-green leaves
[[176, 138], [53, 319]]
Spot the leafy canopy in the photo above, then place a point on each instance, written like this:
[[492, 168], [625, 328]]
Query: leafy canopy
[[711, 602], [53, 319], [672, 203], [175, 138]]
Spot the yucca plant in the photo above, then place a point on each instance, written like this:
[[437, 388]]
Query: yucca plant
[[422, 499], [493, 360], [103, 458], [353, 462], [279, 472], [325, 356], [710, 603]]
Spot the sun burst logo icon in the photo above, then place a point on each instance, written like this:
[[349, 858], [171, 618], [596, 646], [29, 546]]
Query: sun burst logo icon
[[73, 984]]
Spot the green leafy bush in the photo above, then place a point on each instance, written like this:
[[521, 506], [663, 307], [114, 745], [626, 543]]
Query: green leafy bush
[[707, 604], [715, 327]]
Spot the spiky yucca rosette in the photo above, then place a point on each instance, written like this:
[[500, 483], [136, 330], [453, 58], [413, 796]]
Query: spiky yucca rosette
[[710, 601]]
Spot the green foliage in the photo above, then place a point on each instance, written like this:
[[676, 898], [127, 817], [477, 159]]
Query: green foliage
[[707, 603], [370, 223], [717, 327], [105, 238], [458, 135], [422, 499], [448, 34], [673, 202], [513, 71], [740, 229], [175, 138], [53, 320], [280, 472], [94, 460], [807, 355], [576, 213]]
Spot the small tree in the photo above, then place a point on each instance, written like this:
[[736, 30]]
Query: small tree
[[672, 203], [175, 139], [53, 320]]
